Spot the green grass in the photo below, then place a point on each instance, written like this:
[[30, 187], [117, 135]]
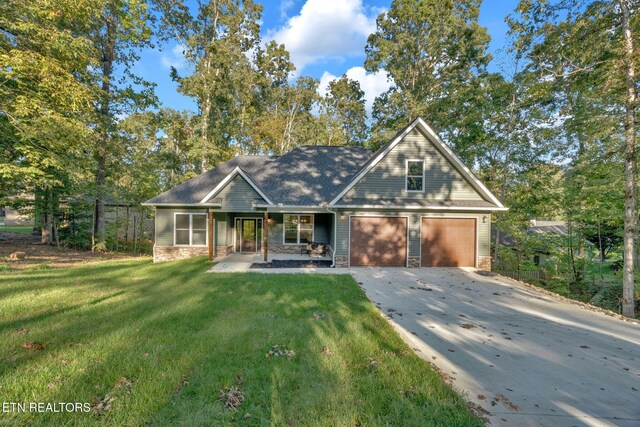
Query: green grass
[[162, 341], [21, 229]]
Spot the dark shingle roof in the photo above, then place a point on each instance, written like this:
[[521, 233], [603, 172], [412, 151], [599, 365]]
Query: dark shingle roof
[[307, 175], [195, 189]]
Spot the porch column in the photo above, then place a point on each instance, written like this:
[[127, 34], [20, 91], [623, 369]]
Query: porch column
[[265, 234], [210, 236]]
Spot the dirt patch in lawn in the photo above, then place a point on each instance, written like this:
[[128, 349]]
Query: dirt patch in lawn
[[291, 263], [39, 254]]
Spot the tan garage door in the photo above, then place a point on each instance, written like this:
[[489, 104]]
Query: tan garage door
[[448, 242], [377, 240]]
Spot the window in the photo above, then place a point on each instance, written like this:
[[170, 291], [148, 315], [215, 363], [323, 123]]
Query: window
[[298, 229], [415, 175], [190, 229]]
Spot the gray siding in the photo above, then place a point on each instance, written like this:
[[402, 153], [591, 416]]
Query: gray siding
[[387, 179], [238, 196], [484, 229], [165, 225]]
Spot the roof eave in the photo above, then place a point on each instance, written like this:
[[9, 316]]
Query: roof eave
[[426, 208]]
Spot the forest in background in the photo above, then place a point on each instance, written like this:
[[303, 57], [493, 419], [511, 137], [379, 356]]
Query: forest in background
[[553, 135]]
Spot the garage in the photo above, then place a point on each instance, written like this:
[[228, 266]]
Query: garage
[[378, 241], [448, 242]]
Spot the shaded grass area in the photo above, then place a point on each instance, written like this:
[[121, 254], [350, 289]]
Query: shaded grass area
[[156, 344]]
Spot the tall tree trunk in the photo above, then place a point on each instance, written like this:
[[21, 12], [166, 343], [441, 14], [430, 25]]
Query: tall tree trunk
[[45, 222], [505, 174], [628, 286], [108, 54]]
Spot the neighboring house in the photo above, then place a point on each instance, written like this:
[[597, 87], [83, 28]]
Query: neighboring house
[[549, 236], [10, 216], [412, 203]]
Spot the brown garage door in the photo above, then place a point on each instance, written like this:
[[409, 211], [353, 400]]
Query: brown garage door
[[448, 242], [378, 241]]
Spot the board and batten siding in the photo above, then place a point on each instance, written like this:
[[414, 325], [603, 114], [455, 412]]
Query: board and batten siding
[[165, 223], [387, 179], [238, 196], [221, 226], [415, 218]]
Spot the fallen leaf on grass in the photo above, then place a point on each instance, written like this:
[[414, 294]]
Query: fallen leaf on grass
[[325, 350], [36, 346], [280, 351], [231, 397], [22, 331], [101, 406], [318, 315]]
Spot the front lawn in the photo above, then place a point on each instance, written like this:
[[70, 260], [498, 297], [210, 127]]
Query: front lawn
[[18, 229], [159, 344]]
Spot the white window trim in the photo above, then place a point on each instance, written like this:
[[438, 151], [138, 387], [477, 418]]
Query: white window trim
[[175, 214], [406, 175], [313, 229]]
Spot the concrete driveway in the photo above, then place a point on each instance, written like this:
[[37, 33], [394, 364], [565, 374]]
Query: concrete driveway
[[520, 356]]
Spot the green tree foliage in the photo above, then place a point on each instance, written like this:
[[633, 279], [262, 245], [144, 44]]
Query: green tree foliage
[[217, 40], [44, 101], [586, 52], [344, 108], [434, 52], [118, 31]]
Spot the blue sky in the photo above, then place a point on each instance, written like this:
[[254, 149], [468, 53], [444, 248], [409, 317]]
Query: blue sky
[[326, 39]]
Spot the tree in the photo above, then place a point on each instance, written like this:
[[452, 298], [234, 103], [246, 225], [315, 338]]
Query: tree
[[120, 29], [217, 42], [46, 103], [433, 52], [344, 106], [579, 48]]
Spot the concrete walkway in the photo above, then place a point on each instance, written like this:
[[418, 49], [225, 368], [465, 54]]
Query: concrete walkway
[[522, 357], [241, 263]]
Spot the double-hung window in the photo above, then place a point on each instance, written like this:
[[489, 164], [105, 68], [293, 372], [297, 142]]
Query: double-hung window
[[298, 229], [190, 229], [415, 175]]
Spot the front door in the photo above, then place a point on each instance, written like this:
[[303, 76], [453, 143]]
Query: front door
[[248, 235]]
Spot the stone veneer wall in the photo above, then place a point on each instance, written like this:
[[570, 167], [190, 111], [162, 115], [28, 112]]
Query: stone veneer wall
[[342, 261], [170, 253], [484, 263]]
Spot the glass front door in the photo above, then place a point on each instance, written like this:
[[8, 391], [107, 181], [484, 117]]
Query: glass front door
[[248, 235]]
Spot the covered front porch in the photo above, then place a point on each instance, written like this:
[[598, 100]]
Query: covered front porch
[[242, 263], [268, 234]]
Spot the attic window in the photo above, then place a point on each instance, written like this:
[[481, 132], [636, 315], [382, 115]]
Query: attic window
[[415, 175]]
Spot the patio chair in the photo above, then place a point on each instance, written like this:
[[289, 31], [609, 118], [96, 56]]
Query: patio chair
[[315, 249]]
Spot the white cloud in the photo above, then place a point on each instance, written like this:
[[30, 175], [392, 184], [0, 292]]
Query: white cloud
[[326, 30], [373, 84], [175, 58], [285, 5]]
